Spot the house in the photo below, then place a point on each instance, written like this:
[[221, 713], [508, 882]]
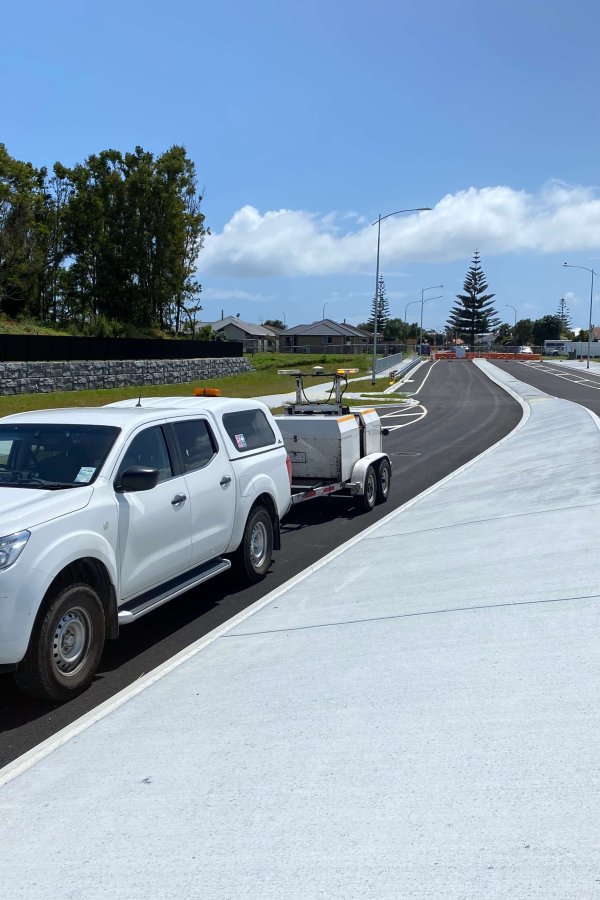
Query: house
[[255, 338], [325, 336]]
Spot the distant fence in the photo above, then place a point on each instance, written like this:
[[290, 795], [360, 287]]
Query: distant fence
[[40, 347], [388, 362]]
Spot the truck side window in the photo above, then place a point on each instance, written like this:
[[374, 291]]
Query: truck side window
[[248, 429], [148, 448], [196, 443]]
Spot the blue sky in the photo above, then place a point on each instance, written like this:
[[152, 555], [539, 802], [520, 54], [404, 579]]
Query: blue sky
[[308, 119]]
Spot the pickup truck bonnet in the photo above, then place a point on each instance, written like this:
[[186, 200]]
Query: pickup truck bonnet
[[28, 507]]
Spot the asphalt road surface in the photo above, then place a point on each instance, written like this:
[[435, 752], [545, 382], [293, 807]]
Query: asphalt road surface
[[567, 382], [461, 414]]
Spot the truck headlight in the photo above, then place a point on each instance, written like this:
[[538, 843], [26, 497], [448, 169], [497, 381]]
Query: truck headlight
[[11, 546]]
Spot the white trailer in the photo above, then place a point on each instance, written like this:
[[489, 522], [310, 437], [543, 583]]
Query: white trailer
[[333, 450]]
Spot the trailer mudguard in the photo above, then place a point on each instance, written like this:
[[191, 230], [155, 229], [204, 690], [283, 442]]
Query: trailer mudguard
[[359, 472]]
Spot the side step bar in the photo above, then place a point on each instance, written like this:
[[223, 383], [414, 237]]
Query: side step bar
[[145, 603]]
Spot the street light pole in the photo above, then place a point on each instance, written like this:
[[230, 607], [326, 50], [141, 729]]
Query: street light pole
[[432, 288], [410, 303], [324, 305], [515, 312], [591, 271], [380, 219]]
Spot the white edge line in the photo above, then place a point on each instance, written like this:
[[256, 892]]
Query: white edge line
[[36, 754], [422, 385]]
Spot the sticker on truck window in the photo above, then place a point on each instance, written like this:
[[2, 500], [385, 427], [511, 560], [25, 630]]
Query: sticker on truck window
[[85, 474], [249, 429]]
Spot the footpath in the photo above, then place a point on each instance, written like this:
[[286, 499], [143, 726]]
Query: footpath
[[415, 716]]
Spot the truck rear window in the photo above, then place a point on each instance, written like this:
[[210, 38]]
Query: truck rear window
[[248, 429]]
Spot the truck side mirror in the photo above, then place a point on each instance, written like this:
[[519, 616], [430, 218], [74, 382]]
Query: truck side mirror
[[139, 478]]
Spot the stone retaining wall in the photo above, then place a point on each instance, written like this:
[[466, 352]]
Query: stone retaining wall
[[44, 377]]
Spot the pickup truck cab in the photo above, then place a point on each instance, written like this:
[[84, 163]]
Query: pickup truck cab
[[107, 513]]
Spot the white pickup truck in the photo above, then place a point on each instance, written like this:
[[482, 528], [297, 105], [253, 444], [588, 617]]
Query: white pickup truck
[[107, 513]]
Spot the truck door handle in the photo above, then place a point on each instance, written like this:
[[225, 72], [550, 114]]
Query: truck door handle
[[178, 498], [226, 479]]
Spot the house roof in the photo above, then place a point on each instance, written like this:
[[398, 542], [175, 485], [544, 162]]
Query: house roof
[[250, 328], [327, 327]]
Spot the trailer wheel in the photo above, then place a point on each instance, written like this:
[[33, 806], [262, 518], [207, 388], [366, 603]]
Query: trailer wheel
[[65, 646], [370, 493], [384, 478], [253, 557]]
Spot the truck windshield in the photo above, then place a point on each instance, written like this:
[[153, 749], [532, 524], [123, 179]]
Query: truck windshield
[[53, 456]]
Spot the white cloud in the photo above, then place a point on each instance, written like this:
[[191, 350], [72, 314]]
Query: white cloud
[[496, 220], [222, 294]]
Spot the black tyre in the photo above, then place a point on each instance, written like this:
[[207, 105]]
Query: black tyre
[[384, 480], [370, 494], [65, 646], [253, 557]]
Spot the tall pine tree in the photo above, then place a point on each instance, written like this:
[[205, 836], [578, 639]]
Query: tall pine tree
[[380, 308], [474, 312], [563, 314]]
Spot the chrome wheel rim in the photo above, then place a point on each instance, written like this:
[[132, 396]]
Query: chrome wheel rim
[[259, 543], [71, 641]]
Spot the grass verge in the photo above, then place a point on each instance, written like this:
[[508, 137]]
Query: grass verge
[[263, 380]]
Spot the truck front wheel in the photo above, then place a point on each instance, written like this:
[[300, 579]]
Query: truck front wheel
[[65, 646], [253, 557], [370, 492]]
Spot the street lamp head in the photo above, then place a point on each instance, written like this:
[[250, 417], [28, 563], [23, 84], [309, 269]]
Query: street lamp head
[[380, 218]]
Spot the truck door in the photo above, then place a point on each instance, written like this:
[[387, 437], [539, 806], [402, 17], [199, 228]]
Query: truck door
[[211, 487], [154, 526]]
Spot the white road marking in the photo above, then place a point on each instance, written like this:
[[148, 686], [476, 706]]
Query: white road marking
[[571, 377], [414, 415], [426, 377]]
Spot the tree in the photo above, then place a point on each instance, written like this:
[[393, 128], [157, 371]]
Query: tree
[[505, 335], [190, 326], [563, 314], [274, 323], [398, 330], [548, 328], [380, 308], [523, 332], [59, 194], [23, 235], [115, 239], [134, 230], [474, 312]]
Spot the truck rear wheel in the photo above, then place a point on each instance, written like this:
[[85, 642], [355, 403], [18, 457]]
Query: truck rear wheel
[[384, 478], [65, 646], [253, 557], [370, 493]]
